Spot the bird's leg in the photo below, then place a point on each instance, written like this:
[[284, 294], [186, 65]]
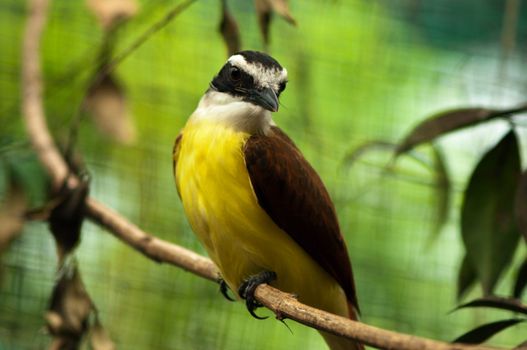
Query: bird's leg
[[246, 290], [224, 288]]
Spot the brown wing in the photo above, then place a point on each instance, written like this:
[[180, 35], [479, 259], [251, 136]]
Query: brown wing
[[175, 156], [292, 194]]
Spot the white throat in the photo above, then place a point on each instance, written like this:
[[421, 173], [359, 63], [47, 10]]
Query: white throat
[[230, 111]]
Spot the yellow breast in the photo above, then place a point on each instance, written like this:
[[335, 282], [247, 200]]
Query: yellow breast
[[239, 236], [212, 180]]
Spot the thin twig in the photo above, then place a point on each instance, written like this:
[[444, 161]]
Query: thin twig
[[108, 67], [152, 247], [169, 16], [32, 107], [509, 28], [282, 304]]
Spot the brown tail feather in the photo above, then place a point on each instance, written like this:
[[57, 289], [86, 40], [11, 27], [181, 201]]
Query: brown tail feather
[[353, 312]]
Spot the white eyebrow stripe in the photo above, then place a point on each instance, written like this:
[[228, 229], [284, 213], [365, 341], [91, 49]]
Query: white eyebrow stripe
[[262, 76]]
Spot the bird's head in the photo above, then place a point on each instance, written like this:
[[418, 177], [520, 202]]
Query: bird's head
[[252, 77]]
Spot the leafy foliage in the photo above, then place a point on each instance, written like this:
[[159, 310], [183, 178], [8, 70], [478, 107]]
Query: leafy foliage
[[12, 214], [66, 218], [21, 167], [484, 332], [69, 315], [107, 105], [521, 280], [105, 99], [443, 188], [494, 210], [487, 220], [467, 276], [441, 172], [521, 205], [453, 120], [497, 303]]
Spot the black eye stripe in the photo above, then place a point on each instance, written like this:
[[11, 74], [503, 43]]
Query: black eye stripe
[[235, 74], [237, 82], [237, 85]]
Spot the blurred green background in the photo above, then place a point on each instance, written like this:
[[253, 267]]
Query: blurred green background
[[358, 70]]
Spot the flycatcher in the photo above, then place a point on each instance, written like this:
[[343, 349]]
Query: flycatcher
[[259, 208]]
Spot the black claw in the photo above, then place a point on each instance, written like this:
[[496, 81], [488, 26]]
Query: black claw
[[285, 324], [224, 289], [253, 305], [246, 290]]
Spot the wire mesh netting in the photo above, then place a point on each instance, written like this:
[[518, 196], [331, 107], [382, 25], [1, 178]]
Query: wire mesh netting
[[358, 70]]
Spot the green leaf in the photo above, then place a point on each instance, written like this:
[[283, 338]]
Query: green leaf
[[521, 280], [452, 120], [480, 334], [442, 189], [497, 303], [466, 277], [25, 169], [13, 206], [375, 145], [521, 205], [488, 228]]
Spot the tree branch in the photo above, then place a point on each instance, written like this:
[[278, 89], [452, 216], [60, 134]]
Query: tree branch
[[282, 304], [152, 247], [32, 107]]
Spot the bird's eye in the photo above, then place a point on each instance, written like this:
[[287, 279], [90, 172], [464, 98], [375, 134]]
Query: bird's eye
[[235, 74], [281, 87]]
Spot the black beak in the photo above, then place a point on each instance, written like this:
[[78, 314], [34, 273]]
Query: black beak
[[265, 98]]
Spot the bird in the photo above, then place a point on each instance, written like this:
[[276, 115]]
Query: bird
[[255, 203]]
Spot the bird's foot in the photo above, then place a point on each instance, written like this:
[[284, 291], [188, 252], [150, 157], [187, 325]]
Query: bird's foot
[[248, 287], [224, 289]]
